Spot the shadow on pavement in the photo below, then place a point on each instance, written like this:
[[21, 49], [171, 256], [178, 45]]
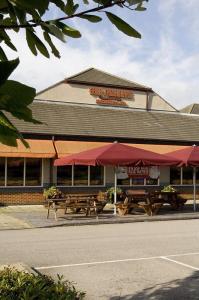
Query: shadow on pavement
[[180, 289]]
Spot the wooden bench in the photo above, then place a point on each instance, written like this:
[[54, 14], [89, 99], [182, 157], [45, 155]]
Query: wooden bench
[[76, 202], [138, 199]]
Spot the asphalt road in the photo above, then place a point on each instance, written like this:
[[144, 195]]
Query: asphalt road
[[151, 260]]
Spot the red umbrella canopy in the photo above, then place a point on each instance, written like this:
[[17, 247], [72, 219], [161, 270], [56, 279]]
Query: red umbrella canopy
[[116, 154], [189, 156]]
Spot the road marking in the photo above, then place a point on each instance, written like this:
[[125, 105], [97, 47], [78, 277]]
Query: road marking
[[179, 263], [117, 261], [98, 262]]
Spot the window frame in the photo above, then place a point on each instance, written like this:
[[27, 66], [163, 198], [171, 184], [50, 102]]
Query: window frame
[[24, 175], [88, 185]]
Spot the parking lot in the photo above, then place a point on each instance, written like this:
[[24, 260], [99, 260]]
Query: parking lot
[[156, 260]]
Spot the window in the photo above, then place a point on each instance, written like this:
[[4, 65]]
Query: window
[[2, 171], [175, 175], [197, 175], [33, 171], [137, 181], [152, 181], [64, 175], [15, 171], [96, 175], [80, 175], [123, 181], [187, 175]]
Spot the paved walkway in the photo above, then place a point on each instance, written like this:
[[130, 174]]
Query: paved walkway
[[34, 216]]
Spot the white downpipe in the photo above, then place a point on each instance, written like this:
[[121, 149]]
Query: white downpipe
[[194, 188], [115, 191]]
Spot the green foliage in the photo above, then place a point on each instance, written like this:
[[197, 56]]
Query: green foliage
[[110, 193], [15, 285], [168, 188], [14, 99], [17, 14], [52, 193]]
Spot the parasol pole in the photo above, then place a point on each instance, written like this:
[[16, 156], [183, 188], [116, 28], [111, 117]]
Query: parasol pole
[[115, 191], [194, 188]]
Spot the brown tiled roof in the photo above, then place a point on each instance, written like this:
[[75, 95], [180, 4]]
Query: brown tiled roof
[[191, 109], [97, 77], [91, 121]]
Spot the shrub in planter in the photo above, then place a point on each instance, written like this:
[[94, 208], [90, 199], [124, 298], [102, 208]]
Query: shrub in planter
[[110, 194], [16, 285], [52, 193], [168, 188]]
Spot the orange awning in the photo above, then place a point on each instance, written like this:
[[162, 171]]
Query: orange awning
[[65, 148], [37, 149]]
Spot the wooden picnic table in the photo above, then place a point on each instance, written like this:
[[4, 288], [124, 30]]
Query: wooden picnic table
[[149, 202], [76, 202], [172, 198]]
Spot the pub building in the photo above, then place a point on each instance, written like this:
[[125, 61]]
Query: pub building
[[85, 111]]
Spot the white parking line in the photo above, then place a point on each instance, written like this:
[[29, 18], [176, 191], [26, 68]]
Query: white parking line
[[179, 263], [166, 257]]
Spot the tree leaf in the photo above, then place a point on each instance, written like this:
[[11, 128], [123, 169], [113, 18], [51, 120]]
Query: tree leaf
[[34, 42], [91, 18], [2, 54], [9, 133], [54, 30], [123, 26], [14, 95], [70, 7], [50, 43], [6, 68], [72, 32], [40, 5], [59, 3], [30, 41]]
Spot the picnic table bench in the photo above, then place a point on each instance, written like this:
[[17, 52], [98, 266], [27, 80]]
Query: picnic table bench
[[76, 202], [149, 202], [137, 199]]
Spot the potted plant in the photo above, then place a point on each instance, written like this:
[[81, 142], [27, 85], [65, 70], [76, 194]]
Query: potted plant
[[52, 193], [110, 194], [168, 189]]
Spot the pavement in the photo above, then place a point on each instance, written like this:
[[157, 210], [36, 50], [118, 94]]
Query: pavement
[[133, 261], [34, 216]]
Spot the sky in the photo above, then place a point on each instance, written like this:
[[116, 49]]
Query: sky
[[165, 59]]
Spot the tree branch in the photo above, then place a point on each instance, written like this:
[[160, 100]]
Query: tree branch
[[39, 23]]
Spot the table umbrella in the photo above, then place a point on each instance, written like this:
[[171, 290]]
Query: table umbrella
[[189, 156], [117, 154]]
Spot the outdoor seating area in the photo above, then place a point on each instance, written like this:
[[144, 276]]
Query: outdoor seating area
[[131, 202], [89, 204]]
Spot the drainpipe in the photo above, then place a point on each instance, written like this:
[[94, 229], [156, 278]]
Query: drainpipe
[[147, 100], [52, 161]]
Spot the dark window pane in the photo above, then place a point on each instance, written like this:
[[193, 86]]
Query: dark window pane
[[15, 171], [96, 175], [151, 181], [123, 181], [2, 171], [64, 175], [187, 175], [80, 175], [33, 171], [137, 181], [175, 174], [197, 175]]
